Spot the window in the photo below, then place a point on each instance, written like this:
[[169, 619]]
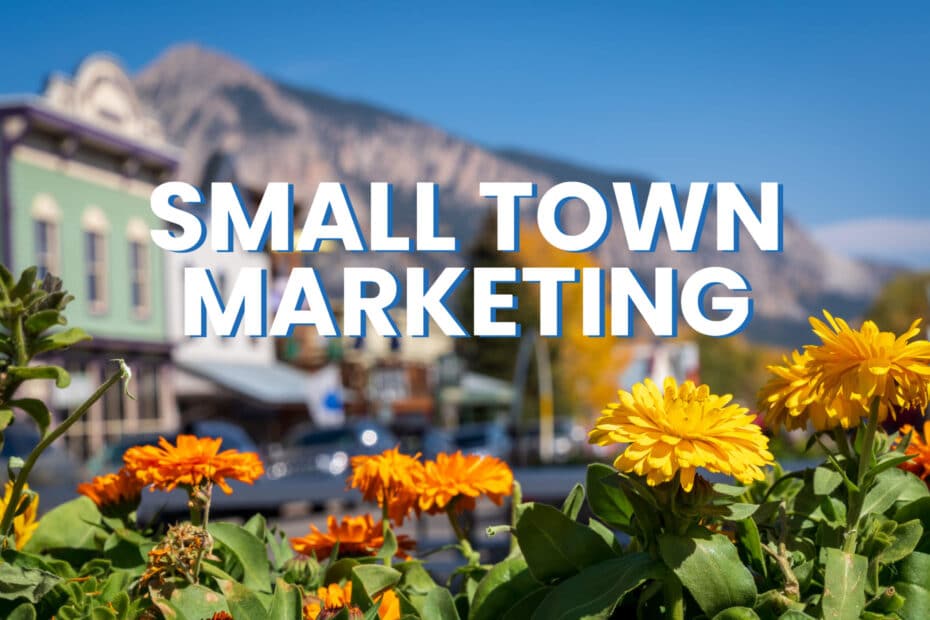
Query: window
[[46, 216], [95, 258], [137, 232]]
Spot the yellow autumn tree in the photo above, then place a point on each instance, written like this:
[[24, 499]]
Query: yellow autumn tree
[[588, 368]]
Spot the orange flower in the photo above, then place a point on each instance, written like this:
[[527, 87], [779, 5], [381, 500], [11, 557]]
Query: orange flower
[[114, 494], [389, 477], [356, 536], [331, 598], [460, 478], [919, 446], [190, 463], [388, 606], [335, 597]]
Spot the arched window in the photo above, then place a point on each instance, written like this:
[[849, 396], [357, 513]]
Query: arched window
[[46, 218], [140, 281], [96, 229]]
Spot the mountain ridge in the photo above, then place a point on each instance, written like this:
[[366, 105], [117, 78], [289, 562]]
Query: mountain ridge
[[210, 102]]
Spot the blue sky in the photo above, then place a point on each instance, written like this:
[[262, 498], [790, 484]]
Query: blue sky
[[832, 100]]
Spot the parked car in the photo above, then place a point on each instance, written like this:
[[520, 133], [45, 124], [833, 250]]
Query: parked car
[[326, 451], [55, 475], [489, 439], [110, 458], [569, 442]]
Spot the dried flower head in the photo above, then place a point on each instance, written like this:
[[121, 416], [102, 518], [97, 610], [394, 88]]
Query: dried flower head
[[177, 555]]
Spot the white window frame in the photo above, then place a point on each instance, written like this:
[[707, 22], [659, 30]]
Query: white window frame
[[137, 233], [94, 221], [45, 210]]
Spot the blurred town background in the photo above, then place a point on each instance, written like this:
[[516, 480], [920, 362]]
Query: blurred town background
[[79, 158]]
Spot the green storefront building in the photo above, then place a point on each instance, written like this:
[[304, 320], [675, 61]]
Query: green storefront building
[[77, 166]]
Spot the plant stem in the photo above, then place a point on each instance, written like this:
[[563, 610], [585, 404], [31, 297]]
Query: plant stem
[[857, 498], [385, 526], [674, 598], [464, 544], [10, 511]]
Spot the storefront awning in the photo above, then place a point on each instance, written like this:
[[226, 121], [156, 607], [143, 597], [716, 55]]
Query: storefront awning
[[274, 384]]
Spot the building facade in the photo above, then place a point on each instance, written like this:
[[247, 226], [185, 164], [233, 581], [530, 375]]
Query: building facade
[[77, 167]]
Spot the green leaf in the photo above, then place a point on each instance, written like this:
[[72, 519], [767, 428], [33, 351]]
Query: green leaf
[[194, 602], [556, 547], [748, 536], [389, 546], [25, 373], [42, 320], [249, 552], [72, 525], [708, 565], [243, 603], [6, 418], [737, 613], [36, 410], [501, 588], [26, 281], [826, 479], [890, 487], [23, 612], [572, 504], [914, 585], [596, 591], [286, 604], [23, 582], [376, 578], [439, 605], [844, 585], [605, 498], [60, 340]]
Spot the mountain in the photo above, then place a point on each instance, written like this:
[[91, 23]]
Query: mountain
[[209, 102]]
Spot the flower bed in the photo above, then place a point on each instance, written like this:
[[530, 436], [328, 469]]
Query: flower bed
[[650, 537]]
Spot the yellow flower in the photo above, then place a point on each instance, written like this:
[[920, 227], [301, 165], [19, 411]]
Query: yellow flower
[[356, 536], [190, 463], [390, 477], [25, 524], [462, 479], [790, 399], [677, 430], [861, 365], [114, 494]]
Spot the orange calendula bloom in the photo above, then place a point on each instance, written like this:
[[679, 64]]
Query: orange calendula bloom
[[390, 477], [25, 523], [114, 494], [192, 462], [333, 598], [356, 536], [462, 479], [919, 446], [677, 429]]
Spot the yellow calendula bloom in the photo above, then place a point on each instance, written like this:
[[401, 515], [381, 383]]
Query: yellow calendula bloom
[[791, 398], [858, 366], [25, 524], [679, 429]]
